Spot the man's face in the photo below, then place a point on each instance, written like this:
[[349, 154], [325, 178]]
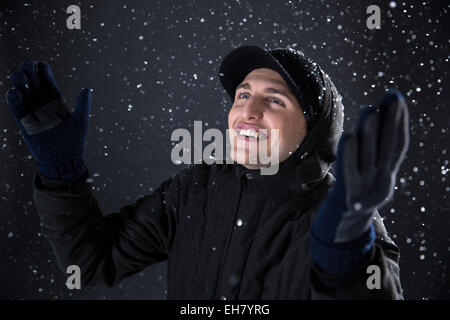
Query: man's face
[[264, 101]]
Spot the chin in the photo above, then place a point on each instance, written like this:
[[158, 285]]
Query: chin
[[242, 157]]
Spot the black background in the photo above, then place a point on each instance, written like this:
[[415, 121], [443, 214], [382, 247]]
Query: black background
[[162, 59]]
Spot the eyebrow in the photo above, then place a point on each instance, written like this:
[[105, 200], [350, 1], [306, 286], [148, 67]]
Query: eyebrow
[[246, 85]]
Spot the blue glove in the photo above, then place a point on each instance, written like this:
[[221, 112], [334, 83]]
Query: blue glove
[[366, 167], [54, 135]]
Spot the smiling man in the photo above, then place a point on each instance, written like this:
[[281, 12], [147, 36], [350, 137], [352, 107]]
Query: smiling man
[[227, 231]]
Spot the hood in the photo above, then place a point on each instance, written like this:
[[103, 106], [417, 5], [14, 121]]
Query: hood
[[312, 160]]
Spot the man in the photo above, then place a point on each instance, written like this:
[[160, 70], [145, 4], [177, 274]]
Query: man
[[227, 231]]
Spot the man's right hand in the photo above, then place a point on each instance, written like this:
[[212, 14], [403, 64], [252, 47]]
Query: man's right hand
[[54, 135]]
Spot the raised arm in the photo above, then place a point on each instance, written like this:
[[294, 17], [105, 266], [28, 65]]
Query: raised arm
[[105, 248], [348, 235]]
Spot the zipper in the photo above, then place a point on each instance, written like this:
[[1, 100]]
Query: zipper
[[210, 198], [268, 210], [236, 209]]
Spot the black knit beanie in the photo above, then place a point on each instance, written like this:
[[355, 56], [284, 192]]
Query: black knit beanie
[[303, 76]]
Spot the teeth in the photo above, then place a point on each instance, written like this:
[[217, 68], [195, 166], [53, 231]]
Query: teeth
[[249, 133]]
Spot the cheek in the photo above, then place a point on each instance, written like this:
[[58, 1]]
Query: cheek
[[293, 133], [231, 117]]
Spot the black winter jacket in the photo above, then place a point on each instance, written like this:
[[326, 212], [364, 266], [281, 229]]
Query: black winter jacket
[[226, 231]]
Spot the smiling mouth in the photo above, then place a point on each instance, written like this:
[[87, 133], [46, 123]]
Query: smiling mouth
[[251, 133]]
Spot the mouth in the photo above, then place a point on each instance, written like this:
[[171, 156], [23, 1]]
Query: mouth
[[250, 132]]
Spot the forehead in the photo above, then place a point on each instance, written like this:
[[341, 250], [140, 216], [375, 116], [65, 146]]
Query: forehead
[[266, 75]]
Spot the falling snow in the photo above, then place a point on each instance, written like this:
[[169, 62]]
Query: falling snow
[[155, 68]]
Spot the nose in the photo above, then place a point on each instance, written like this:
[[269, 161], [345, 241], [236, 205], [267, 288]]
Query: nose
[[253, 109]]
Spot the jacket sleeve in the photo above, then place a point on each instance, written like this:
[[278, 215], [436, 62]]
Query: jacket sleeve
[[363, 283], [106, 248]]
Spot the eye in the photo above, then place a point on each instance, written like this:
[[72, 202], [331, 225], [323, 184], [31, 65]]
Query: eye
[[243, 95], [276, 101]]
